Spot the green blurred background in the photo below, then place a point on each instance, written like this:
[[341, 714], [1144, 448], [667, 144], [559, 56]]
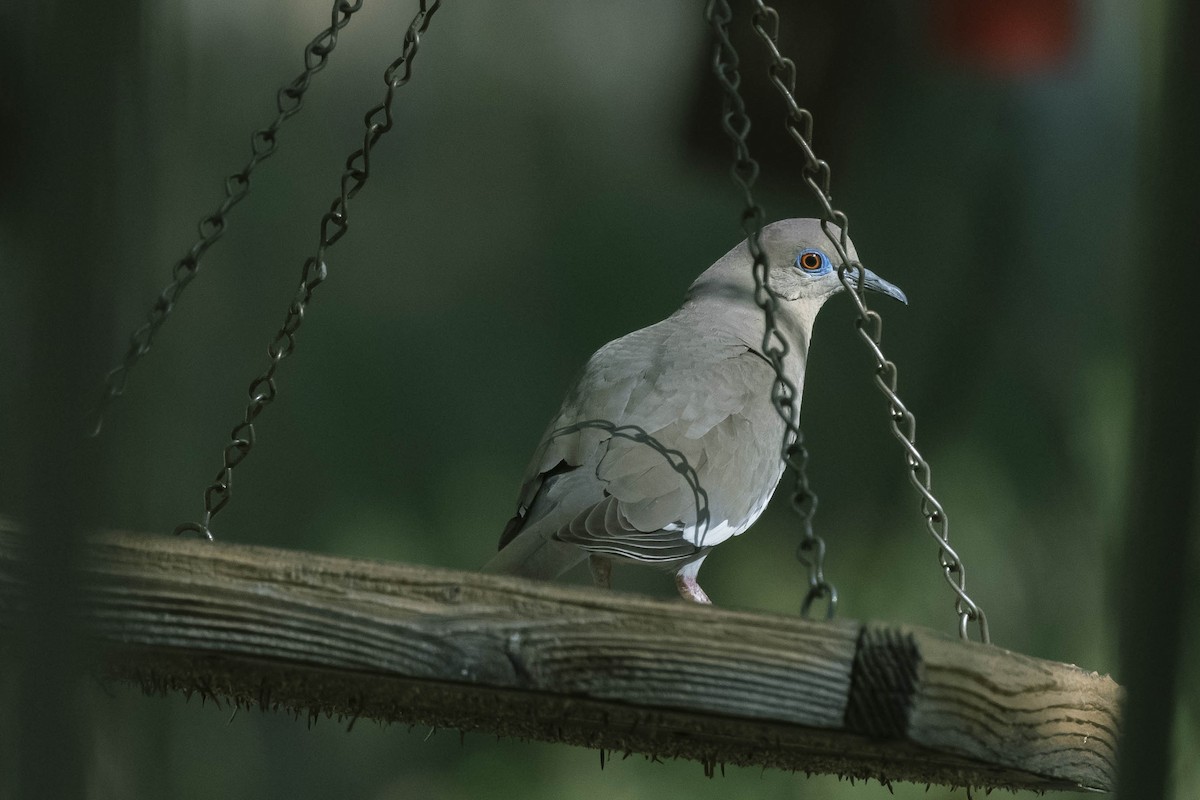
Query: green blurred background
[[555, 179]]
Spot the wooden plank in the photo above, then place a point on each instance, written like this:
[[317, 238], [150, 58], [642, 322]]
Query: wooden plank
[[986, 702], [321, 635]]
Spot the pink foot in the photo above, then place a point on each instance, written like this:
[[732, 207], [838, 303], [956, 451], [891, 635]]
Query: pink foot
[[689, 589]]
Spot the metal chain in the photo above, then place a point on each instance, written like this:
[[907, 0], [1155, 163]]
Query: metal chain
[[674, 458], [869, 324], [784, 396], [263, 144], [334, 223]]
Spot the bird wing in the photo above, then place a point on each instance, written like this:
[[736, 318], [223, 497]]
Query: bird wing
[[609, 473]]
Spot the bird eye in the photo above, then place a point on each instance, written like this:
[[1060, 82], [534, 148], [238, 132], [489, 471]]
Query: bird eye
[[811, 260]]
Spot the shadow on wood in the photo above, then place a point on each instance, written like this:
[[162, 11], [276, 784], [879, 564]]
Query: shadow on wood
[[316, 635]]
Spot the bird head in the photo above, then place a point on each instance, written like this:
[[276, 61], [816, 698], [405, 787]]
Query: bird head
[[804, 263], [803, 269]]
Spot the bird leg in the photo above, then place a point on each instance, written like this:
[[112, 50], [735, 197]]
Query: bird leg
[[601, 567], [685, 582], [689, 589]]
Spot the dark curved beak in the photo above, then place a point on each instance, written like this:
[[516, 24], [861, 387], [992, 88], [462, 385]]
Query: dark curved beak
[[876, 284]]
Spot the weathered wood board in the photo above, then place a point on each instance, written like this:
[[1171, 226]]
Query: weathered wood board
[[333, 636]]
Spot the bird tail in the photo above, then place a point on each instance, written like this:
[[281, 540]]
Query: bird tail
[[532, 555]]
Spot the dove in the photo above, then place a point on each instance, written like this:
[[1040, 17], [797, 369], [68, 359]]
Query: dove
[[667, 443]]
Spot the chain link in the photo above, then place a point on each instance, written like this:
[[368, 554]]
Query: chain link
[[816, 174], [263, 143], [674, 458], [784, 396], [334, 223]]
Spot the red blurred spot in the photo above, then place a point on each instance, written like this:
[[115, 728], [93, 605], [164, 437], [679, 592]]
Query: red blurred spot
[[1005, 36]]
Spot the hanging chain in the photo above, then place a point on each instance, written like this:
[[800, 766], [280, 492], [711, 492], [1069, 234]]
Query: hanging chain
[[675, 459], [784, 397], [334, 223], [869, 324], [263, 143]]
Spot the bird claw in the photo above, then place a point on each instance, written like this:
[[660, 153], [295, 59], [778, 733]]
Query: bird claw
[[689, 589]]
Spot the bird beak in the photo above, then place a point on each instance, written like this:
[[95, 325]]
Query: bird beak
[[876, 283]]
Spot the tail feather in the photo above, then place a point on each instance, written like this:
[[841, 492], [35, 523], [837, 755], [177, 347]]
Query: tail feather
[[532, 555]]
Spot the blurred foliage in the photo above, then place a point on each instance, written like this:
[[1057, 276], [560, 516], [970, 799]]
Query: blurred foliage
[[547, 188]]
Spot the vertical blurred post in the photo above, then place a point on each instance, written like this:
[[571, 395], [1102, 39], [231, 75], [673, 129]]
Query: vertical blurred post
[[1162, 516], [71, 80]]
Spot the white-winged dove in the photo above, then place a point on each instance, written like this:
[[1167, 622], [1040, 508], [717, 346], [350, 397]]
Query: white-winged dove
[[695, 388]]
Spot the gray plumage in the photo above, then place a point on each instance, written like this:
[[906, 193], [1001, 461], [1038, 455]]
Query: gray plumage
[[697, 384]]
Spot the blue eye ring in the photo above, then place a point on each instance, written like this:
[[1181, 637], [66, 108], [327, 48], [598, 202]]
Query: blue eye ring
[[813, 261]]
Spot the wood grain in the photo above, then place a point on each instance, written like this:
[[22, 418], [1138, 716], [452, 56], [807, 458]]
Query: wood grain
[[318, 635]]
